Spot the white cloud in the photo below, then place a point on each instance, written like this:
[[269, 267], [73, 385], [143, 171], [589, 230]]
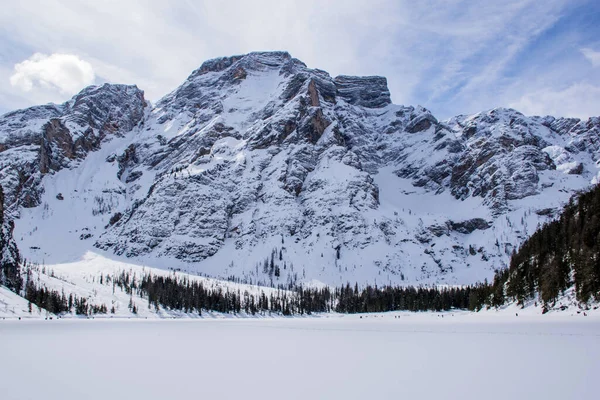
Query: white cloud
[[578, 100], [65, 73], [591, 55], [455, 56]]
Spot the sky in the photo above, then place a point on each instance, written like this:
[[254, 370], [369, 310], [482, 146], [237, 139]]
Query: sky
[[452, 57]]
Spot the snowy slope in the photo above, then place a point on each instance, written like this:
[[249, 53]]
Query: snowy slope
[[92, 278], [259, 156], [14, 306]]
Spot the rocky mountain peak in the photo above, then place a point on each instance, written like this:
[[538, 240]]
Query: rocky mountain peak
[[45, 139], [252, 61], [259, 157], [108, 108], [363, 91]]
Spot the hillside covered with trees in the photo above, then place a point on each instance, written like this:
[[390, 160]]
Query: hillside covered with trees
[[562, 254]]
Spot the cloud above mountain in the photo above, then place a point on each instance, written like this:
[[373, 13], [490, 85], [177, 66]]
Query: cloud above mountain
[[65, 73], [450, 56]]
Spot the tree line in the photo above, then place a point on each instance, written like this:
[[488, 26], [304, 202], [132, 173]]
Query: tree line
[[57, 302], [560, 255], [188, 295]]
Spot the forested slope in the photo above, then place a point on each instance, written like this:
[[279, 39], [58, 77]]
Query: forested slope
[[562, 254]]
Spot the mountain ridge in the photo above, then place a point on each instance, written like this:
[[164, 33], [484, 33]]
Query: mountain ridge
[[258, 154]]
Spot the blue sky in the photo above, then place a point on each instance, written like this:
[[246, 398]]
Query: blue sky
[[453, 57]]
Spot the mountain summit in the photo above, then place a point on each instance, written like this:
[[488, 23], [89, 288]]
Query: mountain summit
[[261, 168]]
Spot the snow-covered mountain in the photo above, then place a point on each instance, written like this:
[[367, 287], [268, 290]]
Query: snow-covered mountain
[[257, 160]]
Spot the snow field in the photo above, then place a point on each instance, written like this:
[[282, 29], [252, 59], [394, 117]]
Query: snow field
[[385, 356]]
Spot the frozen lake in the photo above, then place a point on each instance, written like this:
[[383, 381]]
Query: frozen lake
[[413, 356]]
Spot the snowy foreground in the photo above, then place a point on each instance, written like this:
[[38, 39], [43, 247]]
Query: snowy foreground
[[385, 356]]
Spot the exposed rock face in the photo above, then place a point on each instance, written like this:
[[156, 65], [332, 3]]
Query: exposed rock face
[[9, 254], [45, 139], [257, 156], [465, 227], [421, 123], [469, 226], [363, 91], [55, 134]]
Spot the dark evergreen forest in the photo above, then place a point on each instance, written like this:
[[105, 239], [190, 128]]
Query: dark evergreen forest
[[562, 254]]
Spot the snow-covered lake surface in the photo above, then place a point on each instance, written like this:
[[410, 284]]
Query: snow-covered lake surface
[[388, 356]]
